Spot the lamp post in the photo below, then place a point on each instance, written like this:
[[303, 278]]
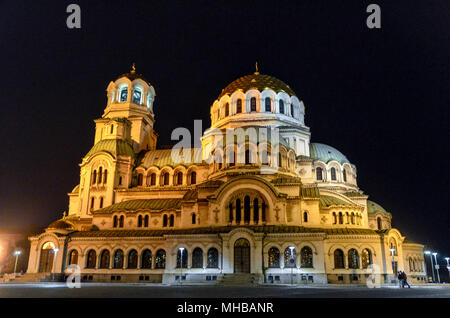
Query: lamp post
[[16, 253], [292, 264], [55, 251], [181, 262], [448, 266], [431, 259], [437, 267]]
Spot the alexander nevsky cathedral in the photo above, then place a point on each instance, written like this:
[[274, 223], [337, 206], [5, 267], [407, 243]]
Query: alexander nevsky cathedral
[[258, 202]]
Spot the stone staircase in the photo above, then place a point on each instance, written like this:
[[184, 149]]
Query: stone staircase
[[242, 279]]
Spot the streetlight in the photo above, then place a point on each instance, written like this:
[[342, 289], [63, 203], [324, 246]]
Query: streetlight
[[55, 251], [16, 253], [181, 262], [437, 267], [292, 264], [393, 262], [431, 259], [448, 266]]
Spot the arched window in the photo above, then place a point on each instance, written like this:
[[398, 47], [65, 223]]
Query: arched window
[[194, 218], [123, 94], [379, 226], [73, 257], [333, 173], [140, 179], [339, 259], [306, 257], [94, 177], [319, 174], [179, 178], [112, 129], [411, 265], [91, 259], [171, 220], [99, 179], [334, 218], [193, 177], [239, 106], [353, 218], [292, 109], [153, 179], [255, 210], [164, 220], [121, 221], [104, 259], [212, 258], [132, 259], [101, 203], [274, 258], [182, 256], [230, 211], [140, 221], [248, 157], [344, 175], [160, 259], [105, 176], [268, 103], [305, 217], [227, 109], [118, 259], [146, 221], [247, 209], [290, 257], [253, 104], [281, 104], [341, 218], [263, 211], [92, 203], [115, 221], [353, 259], [137, 94], [165, 178], [238, 211], [280, 160], [120, 180], [197, 258], [146, 261], [348, 218], [366, 258]]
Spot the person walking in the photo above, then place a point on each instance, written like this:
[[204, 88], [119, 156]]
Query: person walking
[[400, 279], [405, 280]]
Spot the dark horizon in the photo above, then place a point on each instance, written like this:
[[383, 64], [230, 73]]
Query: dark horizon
[[378, 96]]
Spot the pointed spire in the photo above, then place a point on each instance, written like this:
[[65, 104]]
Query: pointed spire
[[256, 66]]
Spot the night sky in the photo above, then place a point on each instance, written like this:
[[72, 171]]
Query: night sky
[[380, 96]]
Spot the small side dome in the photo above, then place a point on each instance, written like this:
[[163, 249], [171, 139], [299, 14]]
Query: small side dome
[[373, 207], [115, 147], [61, 225], [326, 153]]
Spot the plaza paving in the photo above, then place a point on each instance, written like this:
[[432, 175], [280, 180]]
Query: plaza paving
[[94, 290]]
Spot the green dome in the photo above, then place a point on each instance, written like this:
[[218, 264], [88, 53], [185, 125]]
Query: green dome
[[373, 207], [326, 153], [115, 147], [259, 82]]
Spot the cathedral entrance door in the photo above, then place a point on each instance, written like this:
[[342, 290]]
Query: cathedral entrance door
[[242, 256], [47, 256]]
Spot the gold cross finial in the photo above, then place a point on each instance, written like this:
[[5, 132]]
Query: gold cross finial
[[256, 66], [133, 68]]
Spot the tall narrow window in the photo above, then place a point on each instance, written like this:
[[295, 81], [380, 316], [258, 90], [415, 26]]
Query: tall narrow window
[[146, 221], [248, 157], [121, 221], [379, 226], [341, 218], [179, 178], [280, 161], [339, 259], [230, 211], [140, 221], [99, 175], [197, 258], [290, 257], [166, 178], [182, 256], [366, 258], [238, 211], [146, 261], [92, 203], [118, 259], [94, 177], [239, 106], [105, 176], [334, 218], [292, 110], [140, 179], [247, 209], [132, 259], [137, 96], [268, 103], [153, 179], [253, 104], [105, 258], [160, 259], [73, 257], [227, 109], [101, 203], [171, 220], [115, 221], [353, 259], [193, 177], [319, 174], [344, 175], [212, 258], [305, 217], [333, 174], [165, 220], [263, 212], [255, 210], [123, 95], [91, 259], [281, 104], [274, 257], [194, 219], [112, 129], [120, 180]]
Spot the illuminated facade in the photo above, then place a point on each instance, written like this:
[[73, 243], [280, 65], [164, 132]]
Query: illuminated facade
[[275, 206]]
